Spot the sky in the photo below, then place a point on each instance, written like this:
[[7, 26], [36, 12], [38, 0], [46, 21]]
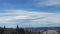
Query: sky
[[30, 13]]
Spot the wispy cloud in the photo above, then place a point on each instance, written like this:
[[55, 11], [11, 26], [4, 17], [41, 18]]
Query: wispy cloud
[[50, 3], [35, 5], [24, 18], [30, 13]]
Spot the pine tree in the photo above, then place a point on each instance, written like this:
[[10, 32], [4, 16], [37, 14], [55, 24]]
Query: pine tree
[[0, 30], [17, 30], [17, 27], [4, 27], [22, 31], [4, 30]]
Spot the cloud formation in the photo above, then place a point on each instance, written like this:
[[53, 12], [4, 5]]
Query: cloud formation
[[28, 18], [50, 3]]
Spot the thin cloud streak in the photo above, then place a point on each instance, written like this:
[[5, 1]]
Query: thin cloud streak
[[50, 3], [28, 17]]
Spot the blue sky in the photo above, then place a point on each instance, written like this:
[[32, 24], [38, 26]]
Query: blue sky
[[30, 13]]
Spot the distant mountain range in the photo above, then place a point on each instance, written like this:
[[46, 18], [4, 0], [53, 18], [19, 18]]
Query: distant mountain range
[[43, 28]]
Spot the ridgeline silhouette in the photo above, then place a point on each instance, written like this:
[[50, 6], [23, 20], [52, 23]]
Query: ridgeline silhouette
[[12, 31], [16, 30]]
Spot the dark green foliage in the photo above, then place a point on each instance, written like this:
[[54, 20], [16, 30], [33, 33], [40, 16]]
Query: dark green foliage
[[17, 30], [2, 30], [4, 27], [22, 31]]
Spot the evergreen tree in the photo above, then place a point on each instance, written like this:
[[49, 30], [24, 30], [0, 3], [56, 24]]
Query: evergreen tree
[[22, 31], [17, 30], [17, 27], [2, 30], [4, 27]]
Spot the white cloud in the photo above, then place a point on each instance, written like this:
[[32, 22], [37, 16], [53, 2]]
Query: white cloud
[[50, 3], [29, 17]]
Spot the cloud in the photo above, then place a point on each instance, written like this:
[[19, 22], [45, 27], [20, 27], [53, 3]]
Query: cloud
[[29, 18], [50, 3]]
